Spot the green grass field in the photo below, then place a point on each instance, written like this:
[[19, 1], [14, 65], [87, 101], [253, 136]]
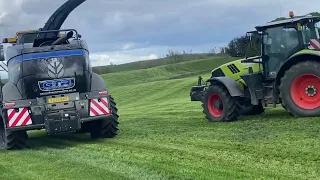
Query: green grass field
[[163, 135]]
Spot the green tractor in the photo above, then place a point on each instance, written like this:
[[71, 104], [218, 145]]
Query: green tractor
[[287, 72]]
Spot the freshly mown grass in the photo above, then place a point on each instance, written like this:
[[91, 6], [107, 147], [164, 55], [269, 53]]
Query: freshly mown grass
[[163, 135]]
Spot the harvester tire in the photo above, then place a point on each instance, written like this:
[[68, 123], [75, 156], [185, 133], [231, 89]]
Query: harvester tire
[[300, 89], [106, 128], [218, 105], [12, 140]]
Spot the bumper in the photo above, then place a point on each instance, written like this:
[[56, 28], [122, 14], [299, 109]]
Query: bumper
[[55, 116]]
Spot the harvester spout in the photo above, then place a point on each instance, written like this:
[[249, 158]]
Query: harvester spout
[[60, 15]]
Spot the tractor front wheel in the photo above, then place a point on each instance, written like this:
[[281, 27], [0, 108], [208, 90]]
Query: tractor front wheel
[[218, 105], [302, 81]]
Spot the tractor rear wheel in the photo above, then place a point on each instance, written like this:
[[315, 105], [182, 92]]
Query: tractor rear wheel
[[218, 105], [302, 81], [284, 107], [106, 128]]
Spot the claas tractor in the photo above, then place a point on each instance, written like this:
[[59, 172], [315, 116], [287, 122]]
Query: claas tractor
[[51, 86], [287, 72]]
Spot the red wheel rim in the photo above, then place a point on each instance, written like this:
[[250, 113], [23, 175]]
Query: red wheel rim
[[214, 98], [305, 91]]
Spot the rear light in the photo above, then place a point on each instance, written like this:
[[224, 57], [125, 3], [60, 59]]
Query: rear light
[[103, 93], [8, 105]]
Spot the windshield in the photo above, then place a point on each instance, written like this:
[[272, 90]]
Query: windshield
[[311, 34], [27, 38]]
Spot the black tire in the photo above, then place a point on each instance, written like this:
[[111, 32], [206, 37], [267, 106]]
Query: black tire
[[12, 140], [286, 109], [254, 110], [2, 135], [16, 140], [246, 108], [228, 110], [293, 89], [106, 128]]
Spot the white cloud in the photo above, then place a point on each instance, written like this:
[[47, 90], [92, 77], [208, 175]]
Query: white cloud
[[128, 46]]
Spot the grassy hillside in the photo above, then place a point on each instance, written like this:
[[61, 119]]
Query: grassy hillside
[[165, 136], [172, 71], [152, 63]]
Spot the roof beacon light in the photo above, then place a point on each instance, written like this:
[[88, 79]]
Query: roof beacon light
[[291, 14]]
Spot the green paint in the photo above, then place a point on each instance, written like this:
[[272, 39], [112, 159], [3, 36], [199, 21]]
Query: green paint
[[243, 68]]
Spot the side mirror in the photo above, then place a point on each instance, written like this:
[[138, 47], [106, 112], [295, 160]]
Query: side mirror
[[1, 53], [79, 36]]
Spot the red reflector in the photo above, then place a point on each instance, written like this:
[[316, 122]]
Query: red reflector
[[9, 104], [103, 93]]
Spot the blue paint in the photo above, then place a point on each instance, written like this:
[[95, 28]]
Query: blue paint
[[42, 55]]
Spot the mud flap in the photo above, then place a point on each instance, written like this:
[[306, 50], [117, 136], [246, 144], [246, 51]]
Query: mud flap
[[67, 123]]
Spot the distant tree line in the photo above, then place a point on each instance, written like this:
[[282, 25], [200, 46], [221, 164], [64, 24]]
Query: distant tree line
[[244, 46]]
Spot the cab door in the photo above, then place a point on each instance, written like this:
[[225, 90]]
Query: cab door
[[278, 44]]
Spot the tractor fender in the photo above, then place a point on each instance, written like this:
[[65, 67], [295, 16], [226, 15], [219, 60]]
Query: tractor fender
[[97, 83], [10, 92], [232, 86], [296, 58]]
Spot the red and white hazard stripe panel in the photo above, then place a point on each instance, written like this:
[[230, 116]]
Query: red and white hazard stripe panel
[[314, 44], [18, 118], [99, 108]]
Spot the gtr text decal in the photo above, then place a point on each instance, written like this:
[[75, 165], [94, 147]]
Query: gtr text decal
[[56, 84]]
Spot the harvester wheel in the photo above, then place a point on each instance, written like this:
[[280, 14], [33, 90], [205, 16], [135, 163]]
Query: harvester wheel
[[12, 140], [2, 135], [302, 81], [106, 128], [218, 105]]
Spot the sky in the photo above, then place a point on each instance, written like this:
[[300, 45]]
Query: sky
[[122, 31]]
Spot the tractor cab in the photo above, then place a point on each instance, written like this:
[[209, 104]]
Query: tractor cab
[[283, 39]]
